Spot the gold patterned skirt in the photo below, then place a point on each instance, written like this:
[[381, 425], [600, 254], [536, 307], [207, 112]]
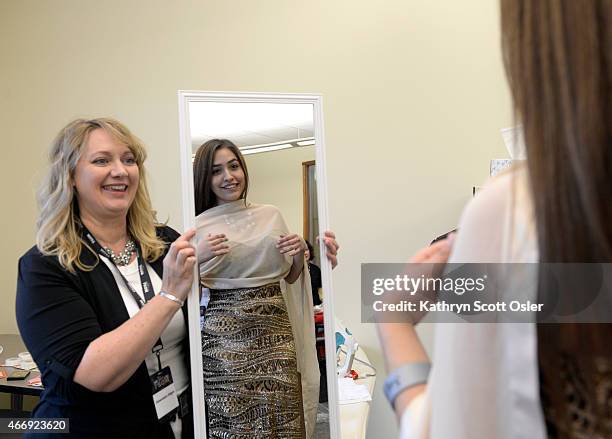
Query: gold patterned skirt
[[252, 388]]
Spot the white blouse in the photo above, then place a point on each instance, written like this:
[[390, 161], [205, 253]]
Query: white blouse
[[484, 380], [172, 337]]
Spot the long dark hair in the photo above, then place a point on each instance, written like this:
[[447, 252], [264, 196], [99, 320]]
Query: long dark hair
[[558, 58], [310, 250], [202, 173]]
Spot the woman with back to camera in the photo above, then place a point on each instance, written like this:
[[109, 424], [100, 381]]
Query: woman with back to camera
[[102, 288], [258, 344], [527, 380]]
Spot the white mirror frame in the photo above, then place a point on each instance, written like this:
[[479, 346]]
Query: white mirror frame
[[195, 345]]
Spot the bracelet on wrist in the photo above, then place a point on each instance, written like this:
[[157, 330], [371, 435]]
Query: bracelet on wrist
[[404, 377], [171, 297]]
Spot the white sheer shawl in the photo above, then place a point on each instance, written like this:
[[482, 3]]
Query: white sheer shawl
[[253, 260]]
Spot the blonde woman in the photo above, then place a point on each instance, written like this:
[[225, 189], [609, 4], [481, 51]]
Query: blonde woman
[[98, 296]]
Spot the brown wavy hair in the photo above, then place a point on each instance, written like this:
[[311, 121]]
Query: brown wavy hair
[[202, 173]]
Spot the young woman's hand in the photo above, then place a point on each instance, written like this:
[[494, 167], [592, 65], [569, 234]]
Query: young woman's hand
[[211, 246], [291, 244], [436, 253], [331, 247]]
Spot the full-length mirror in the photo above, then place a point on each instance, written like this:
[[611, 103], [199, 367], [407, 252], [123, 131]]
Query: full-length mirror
[[263, 350]]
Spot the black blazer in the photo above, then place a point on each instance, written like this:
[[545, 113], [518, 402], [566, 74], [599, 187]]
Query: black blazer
[[59, 314]]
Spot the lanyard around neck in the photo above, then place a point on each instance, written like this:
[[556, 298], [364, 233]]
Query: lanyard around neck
[[145, 281]]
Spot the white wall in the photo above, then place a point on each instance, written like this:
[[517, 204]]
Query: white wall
[[414, 96], [276, 178]]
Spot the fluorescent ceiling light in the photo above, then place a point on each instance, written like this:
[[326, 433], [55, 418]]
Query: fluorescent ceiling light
[[307, 142], [265, 148], [275, 146]]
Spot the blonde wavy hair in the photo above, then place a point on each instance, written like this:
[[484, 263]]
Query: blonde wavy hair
[[58, 225]]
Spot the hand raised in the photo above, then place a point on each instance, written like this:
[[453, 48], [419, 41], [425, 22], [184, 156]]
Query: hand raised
[[430, 261], [436, 253], [291, 244], [178, 266], [211, 246]]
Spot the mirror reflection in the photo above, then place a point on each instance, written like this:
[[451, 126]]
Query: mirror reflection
[[255, 205]]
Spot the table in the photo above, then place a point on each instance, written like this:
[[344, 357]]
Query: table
[[354, 417], [13, 345]]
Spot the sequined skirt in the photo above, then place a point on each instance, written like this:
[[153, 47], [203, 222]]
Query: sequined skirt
[[252, 387]]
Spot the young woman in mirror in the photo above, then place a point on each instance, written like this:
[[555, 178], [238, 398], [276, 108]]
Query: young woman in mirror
[[261, 376]]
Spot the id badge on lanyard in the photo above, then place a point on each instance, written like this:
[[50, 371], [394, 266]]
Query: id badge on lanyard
[[165, 397], [164, 394]]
